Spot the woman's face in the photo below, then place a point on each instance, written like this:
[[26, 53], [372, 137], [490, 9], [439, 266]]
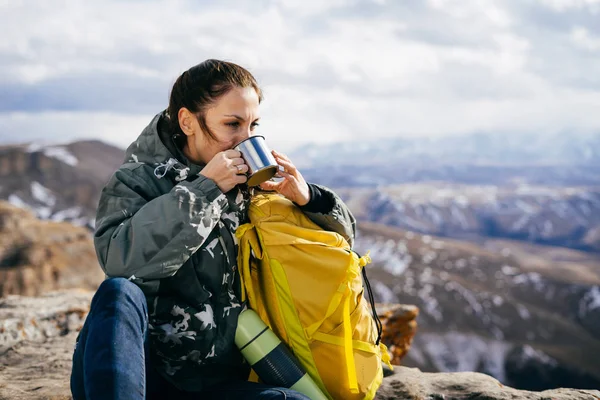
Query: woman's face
[[231, 119]]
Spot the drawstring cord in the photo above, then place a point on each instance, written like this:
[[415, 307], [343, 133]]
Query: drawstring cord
[[161, 170], [371, 298], [372, 301]]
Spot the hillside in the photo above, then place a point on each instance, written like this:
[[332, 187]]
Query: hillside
[[558, 216], [526, 315], [484, 148], [58, 182]]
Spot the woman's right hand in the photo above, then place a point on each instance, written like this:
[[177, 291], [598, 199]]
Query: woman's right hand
[[227, 169]]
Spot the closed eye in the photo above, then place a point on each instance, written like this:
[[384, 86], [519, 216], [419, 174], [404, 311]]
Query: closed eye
[[236, 124]]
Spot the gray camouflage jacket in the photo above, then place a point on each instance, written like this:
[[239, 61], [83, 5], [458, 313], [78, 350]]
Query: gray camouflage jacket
[[172, 232]]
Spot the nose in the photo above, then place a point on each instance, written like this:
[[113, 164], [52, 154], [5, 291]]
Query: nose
[[248, 131], [245, 134]]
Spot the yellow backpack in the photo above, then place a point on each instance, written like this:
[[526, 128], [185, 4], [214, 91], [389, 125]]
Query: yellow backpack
[[305, 284]]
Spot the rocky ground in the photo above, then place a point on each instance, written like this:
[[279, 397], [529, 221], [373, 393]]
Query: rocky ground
[[37, 335], [38, 256]]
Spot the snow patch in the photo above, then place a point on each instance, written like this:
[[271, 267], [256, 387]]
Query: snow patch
[[589, 302], [42, 194], [61, 154], [470, 297], [508, 270], [529, 353], [532, 278], [437, 245], [498, 300], [523, 311], [43, 212], [18, 202], [456, 352], [33, 147], [428, 257], [431, 305], [383, 294], [67, 215], [393, 256], [459, 216]]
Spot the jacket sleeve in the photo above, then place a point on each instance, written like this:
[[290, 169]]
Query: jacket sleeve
[[337, 219], [144, 235]]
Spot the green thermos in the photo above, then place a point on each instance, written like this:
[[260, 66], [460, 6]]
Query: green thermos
[[270, 358]]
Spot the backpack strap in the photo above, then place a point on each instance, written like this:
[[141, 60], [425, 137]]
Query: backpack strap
[[338, 341], [249, 247], [297, 339], [350, 364], [343, 294], [336, 300]]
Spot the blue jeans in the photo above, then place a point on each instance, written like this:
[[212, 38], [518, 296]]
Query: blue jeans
[[111, 355]]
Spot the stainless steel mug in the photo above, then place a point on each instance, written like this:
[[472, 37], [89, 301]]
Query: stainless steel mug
[[257, 155]]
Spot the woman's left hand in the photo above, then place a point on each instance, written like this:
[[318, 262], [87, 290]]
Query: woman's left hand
[[293, 186]]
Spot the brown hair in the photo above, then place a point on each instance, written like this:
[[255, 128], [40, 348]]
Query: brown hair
[[201, 86]]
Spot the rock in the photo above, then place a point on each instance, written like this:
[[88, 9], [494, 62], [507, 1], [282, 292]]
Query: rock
[[399, 328], [412, 384], [34, 319], [37, 335], [38, 256]]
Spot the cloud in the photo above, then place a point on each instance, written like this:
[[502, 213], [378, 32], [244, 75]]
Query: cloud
[[566, 5], [339, 70], [582, 38]]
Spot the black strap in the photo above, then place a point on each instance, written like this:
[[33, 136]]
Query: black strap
[[372, 301], [375, 316]]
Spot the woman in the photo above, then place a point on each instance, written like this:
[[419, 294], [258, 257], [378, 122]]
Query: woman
[[163, 326]]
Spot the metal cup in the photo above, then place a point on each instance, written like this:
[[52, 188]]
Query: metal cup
[[257, 155]]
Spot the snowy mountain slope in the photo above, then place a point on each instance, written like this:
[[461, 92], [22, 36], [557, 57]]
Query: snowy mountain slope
[[57, 182], [478, 148], [492, 308], [560, 216]]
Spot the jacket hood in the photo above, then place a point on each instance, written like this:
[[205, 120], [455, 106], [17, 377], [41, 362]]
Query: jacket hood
[[155, 146]]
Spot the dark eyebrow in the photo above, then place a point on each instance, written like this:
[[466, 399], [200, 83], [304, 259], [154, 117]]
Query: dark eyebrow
[[234, 116], [238, 117]]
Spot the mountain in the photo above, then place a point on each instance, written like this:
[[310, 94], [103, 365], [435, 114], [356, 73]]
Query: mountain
[[474, 149], [399, 171], [558, 216], [58, 182], [527, 315]]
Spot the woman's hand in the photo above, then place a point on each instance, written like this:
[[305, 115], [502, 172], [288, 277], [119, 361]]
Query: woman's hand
[[293, 186], [227, 169]]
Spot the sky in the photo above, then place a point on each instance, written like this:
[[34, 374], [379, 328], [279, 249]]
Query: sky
[[336, 70]]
